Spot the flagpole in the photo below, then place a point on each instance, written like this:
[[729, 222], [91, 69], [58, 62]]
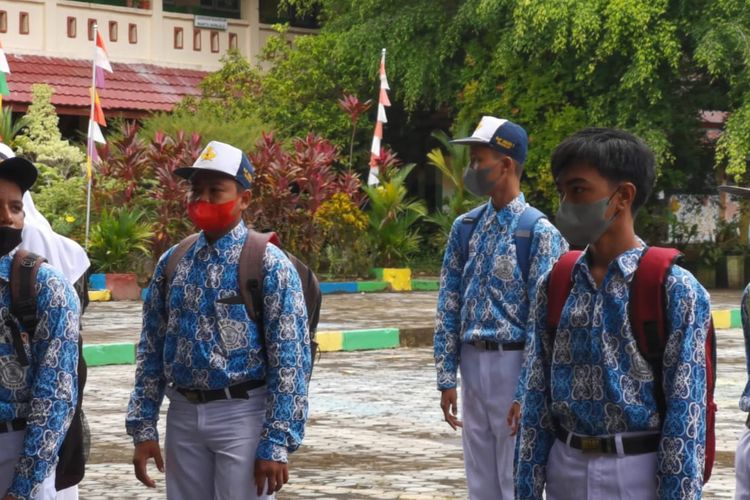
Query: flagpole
[[89, 143], [377, 136]]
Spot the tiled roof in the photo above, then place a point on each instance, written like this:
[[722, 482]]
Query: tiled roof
[[139, 88]]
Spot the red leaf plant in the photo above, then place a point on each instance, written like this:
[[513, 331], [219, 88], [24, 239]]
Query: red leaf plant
[[137, 173], [289, 188], [165, 154]]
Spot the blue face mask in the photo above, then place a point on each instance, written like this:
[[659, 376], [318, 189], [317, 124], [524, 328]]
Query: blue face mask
[[583, 223], [475, 180]]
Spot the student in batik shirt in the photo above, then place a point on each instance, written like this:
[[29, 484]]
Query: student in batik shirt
[[483, 307], [742, 454], [238, 392], [593, 382], [38, 374]]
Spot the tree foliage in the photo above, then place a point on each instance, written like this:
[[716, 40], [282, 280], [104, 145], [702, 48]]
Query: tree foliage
[[40, 140], [554, 66]]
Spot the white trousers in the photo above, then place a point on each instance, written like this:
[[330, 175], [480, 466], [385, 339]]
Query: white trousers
[[488, 385], [575, 475], [210, 447], [742, 467], [11, 444]]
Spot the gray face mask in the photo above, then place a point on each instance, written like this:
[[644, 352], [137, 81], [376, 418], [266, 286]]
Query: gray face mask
[[583, 223], [475, 180]]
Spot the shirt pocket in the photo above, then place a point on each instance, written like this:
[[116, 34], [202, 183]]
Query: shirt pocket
[[233, 323]]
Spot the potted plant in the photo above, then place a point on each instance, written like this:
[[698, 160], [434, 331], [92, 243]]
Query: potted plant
[[709, 255], [119, 246], [393, 217], [732, 263]]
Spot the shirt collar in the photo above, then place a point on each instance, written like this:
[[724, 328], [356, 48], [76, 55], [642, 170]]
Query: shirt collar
[[626, 263], [237, 234], [5, 264], [516, 206]]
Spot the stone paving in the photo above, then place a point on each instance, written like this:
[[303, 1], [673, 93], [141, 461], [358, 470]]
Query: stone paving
[[375, 429], [106, 322]]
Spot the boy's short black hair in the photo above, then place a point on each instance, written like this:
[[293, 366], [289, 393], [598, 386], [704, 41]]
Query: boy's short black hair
[[617, 155]]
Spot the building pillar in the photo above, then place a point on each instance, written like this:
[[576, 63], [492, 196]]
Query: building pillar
[[156, 28], [251, 12], [52, 26]]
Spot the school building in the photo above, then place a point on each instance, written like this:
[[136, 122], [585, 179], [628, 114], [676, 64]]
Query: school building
[[159, 49]]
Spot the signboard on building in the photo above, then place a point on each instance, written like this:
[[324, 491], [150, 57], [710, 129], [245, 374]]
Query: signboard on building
[[212, 23]]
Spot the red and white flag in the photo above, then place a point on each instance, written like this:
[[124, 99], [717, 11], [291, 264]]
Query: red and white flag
[[101, 62], [377, 136], [4, 70], [96, 117]]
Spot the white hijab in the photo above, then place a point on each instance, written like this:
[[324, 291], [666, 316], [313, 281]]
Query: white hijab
[[38, 237], [61, 252]]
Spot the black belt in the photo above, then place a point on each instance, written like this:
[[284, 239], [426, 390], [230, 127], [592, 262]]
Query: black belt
[[631, 445], [238, 391], [17, 424], [489, 345]]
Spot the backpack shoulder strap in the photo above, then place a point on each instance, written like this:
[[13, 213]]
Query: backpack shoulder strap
[[648, 305], [23, 273], [251, 271], [524, 232], [558, 288], [468, 223], [177, 255]]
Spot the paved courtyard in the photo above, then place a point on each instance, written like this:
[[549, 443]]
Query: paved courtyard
[[375, 429]]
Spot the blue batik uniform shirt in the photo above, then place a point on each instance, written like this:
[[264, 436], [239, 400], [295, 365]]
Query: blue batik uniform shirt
[[745, 398], [486, 298], [45, 392], [596, 383], [199, 336]]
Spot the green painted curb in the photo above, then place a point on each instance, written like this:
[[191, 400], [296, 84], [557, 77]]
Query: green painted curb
[[376, 338], [377, 273], [109, 354], [736, 318], [372, 286], [425, 285]]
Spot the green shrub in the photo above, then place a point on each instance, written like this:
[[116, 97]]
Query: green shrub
[[241, 131], [392, 219], [40, 140], [120, 237], [63, 203]]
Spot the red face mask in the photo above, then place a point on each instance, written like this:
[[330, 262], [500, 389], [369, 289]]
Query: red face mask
[[212, 217]]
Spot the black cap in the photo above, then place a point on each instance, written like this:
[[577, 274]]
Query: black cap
[[20, 171]]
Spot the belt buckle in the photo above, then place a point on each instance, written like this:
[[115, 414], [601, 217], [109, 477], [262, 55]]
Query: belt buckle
[[193, 396], [590, 445]]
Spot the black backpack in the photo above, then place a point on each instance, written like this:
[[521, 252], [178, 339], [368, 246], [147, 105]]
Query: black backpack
[[251, 279], [75, 446]]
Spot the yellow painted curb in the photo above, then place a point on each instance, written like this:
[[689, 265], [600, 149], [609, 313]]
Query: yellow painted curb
[[722, 319], [400, 279], [100, 295], [330, 341]]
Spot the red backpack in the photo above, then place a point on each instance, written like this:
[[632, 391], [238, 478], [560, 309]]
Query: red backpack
[[649, 323]]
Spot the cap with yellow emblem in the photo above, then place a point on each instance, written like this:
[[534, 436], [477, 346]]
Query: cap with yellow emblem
[[501, 135], [223, 159]]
